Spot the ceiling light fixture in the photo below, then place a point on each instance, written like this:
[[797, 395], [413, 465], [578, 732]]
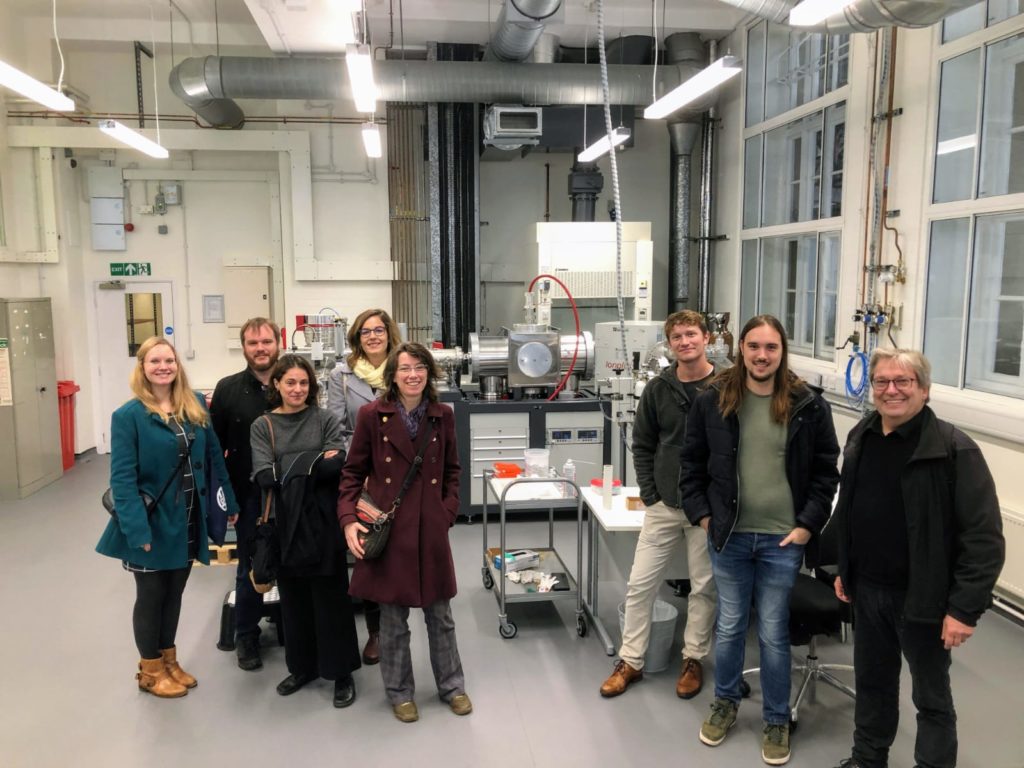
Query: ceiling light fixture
[[31, 88], [360, 76], [704, 81], [811, 12], [133, 139], [603, 145], [371, 140]]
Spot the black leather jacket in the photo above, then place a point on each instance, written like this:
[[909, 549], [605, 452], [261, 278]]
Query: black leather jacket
[[710, 484], [954, 525]]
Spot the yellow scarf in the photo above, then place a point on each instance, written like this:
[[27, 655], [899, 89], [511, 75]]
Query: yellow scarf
[[373, 376]]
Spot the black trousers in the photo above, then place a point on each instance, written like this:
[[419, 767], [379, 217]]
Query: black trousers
[[248, 602], [881, 635], [319, 626], [157, 609]]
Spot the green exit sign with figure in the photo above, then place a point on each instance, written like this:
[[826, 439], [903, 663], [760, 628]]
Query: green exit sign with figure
[[131, 269]]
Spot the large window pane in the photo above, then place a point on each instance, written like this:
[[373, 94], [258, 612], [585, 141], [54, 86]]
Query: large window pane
[[998, 10], [958, 125], [963, 22], [752, 182], [946, 298], [748, 283], [838, 62], [792, 172], [996, 327], [835, 144], [755, 73], [795, 71], [829, 244], [1002, 135], [788, 287]]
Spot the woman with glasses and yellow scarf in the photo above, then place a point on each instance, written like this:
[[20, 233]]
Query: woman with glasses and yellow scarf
[[354, 382]]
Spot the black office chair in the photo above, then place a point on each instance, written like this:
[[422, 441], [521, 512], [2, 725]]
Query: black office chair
[[814, 611]]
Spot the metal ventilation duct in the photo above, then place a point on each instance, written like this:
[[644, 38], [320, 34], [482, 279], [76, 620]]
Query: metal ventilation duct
[[519, 26], [209, 85], [862, 15]]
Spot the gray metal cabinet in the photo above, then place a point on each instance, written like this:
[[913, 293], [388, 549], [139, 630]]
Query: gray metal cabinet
[[29, 422]]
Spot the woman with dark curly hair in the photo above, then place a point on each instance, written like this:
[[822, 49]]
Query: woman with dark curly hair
[[296, 438], [416, 568]]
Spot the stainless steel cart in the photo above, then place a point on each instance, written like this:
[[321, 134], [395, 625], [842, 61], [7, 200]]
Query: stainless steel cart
[[550, 560]]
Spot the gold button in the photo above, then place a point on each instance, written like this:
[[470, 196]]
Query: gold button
[[385, 419], [387, 458], [434, 481], [434, 440], [385, 438], [387, 479]]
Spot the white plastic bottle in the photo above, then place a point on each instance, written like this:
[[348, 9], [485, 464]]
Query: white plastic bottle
[[569, 473]]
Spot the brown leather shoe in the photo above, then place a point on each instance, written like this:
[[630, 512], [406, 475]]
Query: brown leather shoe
[[371, 652], [154, 678], [620, 679], [691, 679], [180, 676]]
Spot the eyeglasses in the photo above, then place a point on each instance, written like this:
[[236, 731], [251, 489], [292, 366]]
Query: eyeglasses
[[903, 383], [380, 330], [405, 370]]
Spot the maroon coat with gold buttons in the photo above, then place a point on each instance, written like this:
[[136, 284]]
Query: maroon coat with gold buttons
[[416, 568]]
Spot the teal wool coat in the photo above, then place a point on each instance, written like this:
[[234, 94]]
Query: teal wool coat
[[143, 453]]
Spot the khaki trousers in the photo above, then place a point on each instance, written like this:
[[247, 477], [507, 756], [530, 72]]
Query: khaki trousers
[[663, 530]]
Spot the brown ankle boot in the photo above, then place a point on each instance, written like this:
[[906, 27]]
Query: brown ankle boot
[[371, 652], [154, 678], [174, 669]]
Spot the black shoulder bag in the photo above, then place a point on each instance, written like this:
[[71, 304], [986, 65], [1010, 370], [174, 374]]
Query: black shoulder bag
[[148, 501], [376, 519]]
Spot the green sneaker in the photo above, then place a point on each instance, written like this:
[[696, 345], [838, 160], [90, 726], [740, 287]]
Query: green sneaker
[[721, 719], [775, 744]]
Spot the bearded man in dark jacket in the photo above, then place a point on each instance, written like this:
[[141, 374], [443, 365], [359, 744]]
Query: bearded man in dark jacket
[[759, 474]]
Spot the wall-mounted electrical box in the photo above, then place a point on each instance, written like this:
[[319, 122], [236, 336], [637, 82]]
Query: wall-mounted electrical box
[[247, 293]]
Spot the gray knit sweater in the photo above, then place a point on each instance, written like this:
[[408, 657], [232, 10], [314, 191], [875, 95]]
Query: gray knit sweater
[[311, 429]]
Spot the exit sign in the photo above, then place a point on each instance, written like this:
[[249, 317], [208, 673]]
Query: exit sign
[[131, 268]]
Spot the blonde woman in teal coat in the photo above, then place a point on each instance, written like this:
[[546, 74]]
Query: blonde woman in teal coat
[[160, 438]]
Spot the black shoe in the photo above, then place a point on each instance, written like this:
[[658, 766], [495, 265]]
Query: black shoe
[[247, 648], [292, 683], [849, 763], [344, 692]]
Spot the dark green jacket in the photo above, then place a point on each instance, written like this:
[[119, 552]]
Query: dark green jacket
[[658, 437], [954, 526], [143, 453]]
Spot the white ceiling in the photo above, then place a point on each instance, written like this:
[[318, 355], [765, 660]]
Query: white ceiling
[[304, 26]]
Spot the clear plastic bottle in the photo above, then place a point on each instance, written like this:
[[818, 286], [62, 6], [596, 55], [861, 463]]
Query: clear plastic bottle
[[569, 473]]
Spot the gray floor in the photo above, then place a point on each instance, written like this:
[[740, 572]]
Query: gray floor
[[68, 696]]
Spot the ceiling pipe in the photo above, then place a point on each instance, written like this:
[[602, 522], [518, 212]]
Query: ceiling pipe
[[861, 15], [519, 26], [210, 85]]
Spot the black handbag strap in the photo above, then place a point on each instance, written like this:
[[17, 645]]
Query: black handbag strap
[[415, 466], [177, 468]]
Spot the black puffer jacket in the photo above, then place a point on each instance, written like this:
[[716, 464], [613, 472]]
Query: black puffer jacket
[[954, 526], [710, 484]]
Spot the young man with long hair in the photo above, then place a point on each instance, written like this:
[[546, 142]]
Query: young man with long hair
[[759, 474]]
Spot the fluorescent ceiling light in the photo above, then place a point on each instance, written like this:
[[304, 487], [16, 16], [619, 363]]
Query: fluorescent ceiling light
[[133, 139], [31, 88], [371, 140], [360, 77], [602, 145], [956, 145], [704, 81], [811, 12]]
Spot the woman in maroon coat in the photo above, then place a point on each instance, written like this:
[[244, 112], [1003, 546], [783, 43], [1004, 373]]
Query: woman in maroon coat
[[416, 568]]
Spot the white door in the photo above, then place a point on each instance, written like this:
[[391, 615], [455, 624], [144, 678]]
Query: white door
[[127, 313]]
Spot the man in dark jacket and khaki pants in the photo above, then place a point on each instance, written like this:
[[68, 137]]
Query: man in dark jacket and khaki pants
[[657, 443], [920, 544]]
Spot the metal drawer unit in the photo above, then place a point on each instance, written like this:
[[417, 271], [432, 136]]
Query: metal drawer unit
[[495, 437]]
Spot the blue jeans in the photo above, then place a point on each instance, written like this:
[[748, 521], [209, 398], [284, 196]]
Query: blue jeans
[[752, 566]]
